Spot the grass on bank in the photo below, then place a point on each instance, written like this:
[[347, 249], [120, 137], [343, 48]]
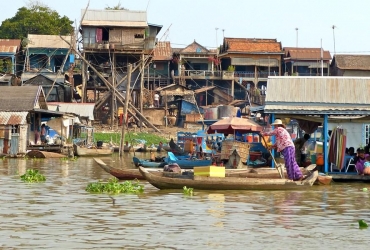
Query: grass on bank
[[132, 138]]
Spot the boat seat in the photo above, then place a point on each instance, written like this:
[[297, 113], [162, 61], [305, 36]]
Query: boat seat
[[351, 162], [347, 163]]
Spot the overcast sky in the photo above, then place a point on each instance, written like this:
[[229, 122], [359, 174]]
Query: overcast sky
[[278, 19]]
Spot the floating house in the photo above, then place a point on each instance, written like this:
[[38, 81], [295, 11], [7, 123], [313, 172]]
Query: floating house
[[333, 102], [21, 117]]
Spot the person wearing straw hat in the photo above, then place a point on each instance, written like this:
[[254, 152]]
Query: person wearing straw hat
[[285, 145]]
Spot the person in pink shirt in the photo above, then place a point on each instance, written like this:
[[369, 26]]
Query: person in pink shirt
[[285, 145]]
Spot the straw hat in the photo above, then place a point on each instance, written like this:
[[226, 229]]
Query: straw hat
[[278, 122]]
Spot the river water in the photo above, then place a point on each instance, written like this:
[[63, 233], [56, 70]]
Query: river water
[[60, 214]]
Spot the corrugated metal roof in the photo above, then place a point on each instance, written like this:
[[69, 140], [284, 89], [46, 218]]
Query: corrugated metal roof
[[47, 41], [318, 95], [162, 51], [306, 53], [81, 109], [124, 18], [8, 49], [353, 62], [10, 45], [21, 98], [13, 118], [26, 76]]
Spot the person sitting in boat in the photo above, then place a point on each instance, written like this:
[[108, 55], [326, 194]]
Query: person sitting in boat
[[367, 165], [160, 146], [285, 145], [359, 160]]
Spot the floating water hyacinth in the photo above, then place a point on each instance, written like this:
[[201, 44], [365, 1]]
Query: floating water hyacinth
[[114, 187], [33, 175], [188, 191], [362, 224]]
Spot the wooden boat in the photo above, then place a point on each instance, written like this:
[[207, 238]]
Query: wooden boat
[[271, 173], [43, 154], [324, 180], [148, 163], [130, 174], [93, 151], [226, 183], [121, 174], [186, 163]]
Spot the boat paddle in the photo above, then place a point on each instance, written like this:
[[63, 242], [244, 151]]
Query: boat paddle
[[278, 166]]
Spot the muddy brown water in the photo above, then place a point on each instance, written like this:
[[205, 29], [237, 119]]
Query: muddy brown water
[[60, 214]]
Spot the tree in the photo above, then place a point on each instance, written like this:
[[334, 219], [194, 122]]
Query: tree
[[117, 7], [36, 18]]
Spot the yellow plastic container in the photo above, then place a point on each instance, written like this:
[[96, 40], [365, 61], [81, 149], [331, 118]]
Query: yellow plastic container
[[210, 171]]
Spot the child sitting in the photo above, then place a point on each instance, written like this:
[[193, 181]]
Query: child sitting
[[367, 165]]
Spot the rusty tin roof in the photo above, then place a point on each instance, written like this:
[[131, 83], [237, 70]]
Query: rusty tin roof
[[162, 52], [13, 118], [306, 53]]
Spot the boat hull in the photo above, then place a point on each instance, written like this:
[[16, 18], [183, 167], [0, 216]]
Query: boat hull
[[226, 183], [122, 174], [81, 151]]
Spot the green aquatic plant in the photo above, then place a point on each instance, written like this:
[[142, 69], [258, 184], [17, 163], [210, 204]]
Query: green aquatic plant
[[33, 175], [66, 158], [188, 191], [362, 224], [115, 187]]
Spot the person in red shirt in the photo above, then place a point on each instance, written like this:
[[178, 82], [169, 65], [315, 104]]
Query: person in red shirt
[[285, 145]]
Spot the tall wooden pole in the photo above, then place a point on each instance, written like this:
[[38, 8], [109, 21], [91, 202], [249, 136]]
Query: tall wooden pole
[[113, 68], [84, 80], [141, 89], [166, 108], [125, 114]]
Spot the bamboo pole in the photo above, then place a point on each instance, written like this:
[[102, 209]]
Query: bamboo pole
[[141, 89], [113, 68], [125, 115], [165, 111]]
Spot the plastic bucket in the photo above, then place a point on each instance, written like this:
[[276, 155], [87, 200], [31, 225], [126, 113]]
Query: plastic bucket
[[313, 159], [250, 138]]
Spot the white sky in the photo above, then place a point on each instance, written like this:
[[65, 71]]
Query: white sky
[[198, 19]]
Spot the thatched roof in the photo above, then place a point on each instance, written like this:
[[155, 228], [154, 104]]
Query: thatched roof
[[22, 98]]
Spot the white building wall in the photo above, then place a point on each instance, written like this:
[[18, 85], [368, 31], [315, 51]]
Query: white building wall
[[354, 133]]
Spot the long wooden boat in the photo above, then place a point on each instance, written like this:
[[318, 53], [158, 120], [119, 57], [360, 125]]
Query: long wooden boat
[[148, 163], [130, 174], [83, 151], [123, 174], [226, 183]]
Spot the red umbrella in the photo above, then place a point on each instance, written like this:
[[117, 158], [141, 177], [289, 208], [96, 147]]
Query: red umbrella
[[233, 124]]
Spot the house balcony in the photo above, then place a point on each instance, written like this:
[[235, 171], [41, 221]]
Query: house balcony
[[105, 47], [225, 75]]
